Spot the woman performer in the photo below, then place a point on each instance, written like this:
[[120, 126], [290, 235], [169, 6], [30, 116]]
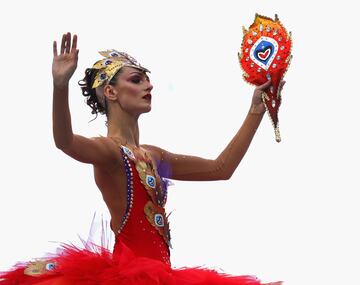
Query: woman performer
[[131, 178]]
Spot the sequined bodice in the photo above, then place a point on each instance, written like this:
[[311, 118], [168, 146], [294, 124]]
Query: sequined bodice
[[144, 227]]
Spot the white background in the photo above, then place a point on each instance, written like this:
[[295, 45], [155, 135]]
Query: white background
[[290, 212]]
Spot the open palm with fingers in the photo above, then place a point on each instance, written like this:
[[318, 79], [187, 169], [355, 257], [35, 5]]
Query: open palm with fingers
[[65, 62]]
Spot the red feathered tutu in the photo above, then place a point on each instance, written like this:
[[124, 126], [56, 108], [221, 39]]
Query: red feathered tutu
[[99, 266], [141, 253]]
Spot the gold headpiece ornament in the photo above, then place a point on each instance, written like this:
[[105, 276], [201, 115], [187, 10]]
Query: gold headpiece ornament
[[111, 64]]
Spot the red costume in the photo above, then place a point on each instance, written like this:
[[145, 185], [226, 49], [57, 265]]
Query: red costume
[[141, 253]]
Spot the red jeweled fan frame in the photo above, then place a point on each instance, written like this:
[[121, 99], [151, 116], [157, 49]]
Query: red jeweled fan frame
[[266, 54]]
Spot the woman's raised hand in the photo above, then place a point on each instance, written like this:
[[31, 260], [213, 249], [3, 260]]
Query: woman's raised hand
[[64, 63], [257, 105]]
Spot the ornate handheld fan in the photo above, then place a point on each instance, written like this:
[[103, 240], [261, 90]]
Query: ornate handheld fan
[[266, 55]]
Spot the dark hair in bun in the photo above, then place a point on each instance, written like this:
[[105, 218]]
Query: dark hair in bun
[[90, 93]]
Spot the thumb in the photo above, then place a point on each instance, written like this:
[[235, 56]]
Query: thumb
[[264, 86]]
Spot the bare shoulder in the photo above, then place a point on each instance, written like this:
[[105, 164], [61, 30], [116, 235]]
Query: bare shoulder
[[154, 151], [106, 143], [110, 149]]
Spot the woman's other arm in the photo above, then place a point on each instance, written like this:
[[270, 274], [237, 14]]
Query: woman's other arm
[[97, 151], [184, 167]]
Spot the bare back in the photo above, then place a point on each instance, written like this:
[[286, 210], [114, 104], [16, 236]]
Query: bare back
[[112, 183]]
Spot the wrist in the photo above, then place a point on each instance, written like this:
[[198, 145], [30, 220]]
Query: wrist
[[257, 109], [60, 85]]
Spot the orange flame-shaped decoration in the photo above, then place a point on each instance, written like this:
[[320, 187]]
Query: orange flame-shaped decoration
[[266, 54]]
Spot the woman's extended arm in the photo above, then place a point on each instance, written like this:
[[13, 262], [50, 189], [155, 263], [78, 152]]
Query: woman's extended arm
[[97, 151], [184, 167]]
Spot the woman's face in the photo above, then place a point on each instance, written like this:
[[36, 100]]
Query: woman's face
[[133, 91]]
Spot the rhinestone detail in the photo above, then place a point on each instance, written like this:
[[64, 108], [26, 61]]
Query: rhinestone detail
[[130, 192]]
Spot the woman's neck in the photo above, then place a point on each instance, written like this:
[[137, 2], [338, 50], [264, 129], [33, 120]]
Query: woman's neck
[[124, 127]]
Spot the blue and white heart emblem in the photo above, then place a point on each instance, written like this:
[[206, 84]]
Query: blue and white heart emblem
[[264, 51]]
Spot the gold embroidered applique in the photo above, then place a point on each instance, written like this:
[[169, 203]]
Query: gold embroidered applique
[[157, 218], [39, 267]]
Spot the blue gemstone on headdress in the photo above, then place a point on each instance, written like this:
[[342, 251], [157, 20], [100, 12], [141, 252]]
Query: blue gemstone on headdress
[[107, 62], [114, 54], [102, 76]]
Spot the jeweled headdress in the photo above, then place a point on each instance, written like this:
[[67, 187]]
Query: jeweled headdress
[[266, 54], [112, 62]]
